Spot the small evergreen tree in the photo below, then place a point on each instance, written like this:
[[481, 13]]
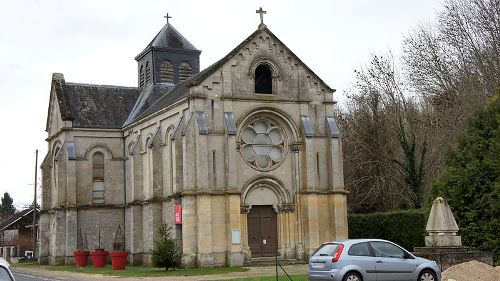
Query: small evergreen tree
[[471, 180], [166, 253], [7, 208]]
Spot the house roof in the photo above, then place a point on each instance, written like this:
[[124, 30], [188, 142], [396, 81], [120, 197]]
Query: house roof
[[168, 38], [14, 218]]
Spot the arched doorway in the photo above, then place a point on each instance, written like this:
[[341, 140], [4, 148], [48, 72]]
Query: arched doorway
[[262, 231], [262, 199]]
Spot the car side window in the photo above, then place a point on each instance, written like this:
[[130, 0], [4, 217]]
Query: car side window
[[4, 275], [360, 249], [384, 249]]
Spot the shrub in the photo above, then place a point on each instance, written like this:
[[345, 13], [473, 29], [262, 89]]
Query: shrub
[[471, 180], [406, 227], [166, 253]]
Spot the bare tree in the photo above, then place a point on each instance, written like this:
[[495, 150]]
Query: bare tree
[[384, 148]]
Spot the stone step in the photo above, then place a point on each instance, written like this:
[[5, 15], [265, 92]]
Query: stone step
[[271, 261]]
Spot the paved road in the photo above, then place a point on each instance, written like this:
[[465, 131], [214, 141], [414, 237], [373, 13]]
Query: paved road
[[26, 277]]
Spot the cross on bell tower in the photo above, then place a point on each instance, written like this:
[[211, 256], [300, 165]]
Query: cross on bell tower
[[167, 17], [261, 12]]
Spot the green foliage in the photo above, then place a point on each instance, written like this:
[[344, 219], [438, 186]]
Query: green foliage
[[166, 253], [406, 228], [471, 180], [7, 208]]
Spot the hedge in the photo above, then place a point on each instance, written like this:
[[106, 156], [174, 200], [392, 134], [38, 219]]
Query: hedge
[[406, 227]]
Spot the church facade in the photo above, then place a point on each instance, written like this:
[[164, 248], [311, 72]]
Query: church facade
[[242, 159]]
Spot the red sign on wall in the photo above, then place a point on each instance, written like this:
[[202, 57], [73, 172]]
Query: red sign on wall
[[178, 214]]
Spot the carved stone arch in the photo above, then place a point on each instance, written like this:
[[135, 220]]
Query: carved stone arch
[[106, 151], [147, 139], [275, 113], [129, 148], [265, 190], [166, 137], [56, 147], [275, 69]]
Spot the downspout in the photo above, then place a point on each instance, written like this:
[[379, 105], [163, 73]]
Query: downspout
[[124, 186]]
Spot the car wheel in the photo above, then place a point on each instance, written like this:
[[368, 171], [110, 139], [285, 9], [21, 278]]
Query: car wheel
[[352, 276], [427, 275]]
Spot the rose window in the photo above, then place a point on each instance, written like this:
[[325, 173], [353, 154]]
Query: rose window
[[262, 144]]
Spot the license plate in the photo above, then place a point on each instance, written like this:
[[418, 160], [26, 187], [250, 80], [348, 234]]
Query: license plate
[[318, 264]]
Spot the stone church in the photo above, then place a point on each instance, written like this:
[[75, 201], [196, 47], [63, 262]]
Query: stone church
[[243, 159]]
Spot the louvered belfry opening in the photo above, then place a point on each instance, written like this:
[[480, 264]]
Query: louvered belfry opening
[[166, 72], [148, 72], [263, 80], [141, 77], [185, 71]]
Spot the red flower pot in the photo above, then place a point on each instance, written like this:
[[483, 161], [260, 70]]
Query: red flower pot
[[118, 260], [99, 258], [81, 258]]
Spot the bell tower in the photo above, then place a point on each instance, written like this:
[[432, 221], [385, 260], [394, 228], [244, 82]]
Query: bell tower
[[169, 58]]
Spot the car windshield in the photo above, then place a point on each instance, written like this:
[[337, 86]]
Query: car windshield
[[327, 250]]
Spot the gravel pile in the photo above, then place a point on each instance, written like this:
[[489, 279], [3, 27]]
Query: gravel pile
[[471, 271]]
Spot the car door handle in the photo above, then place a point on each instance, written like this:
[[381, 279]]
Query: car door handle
[[379, 261]]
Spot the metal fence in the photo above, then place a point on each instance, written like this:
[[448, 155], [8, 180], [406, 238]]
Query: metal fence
[[291, 272]]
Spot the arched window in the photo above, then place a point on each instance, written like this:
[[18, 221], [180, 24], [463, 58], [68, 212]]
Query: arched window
[[148, 72], [98, 178], [263, 80], [166, 71], [185, 71], [141, 77]]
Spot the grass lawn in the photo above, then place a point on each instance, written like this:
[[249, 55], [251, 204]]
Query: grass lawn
[[140, 271]]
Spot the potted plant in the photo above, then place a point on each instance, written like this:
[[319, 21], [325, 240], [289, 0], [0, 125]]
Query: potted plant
[[81, 254], [119, 255], [99, 255]]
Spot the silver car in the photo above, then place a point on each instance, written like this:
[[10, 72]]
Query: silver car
[[369, 260]]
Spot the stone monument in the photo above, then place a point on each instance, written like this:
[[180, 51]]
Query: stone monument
[[441, 226], [442, 244]]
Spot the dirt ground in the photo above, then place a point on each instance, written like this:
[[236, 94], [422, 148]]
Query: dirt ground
[[472, 271]]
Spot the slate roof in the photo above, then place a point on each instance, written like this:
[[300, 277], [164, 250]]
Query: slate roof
[[14, 218], [94, 106], [168, 38], [148, 96], [179, 92], [98, 106]]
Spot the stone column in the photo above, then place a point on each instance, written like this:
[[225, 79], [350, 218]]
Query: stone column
[[71, 234], [204, 215], [151, 219], [338, 214], [244, 232], [233, 222], [133, 225], [44, 237], [189, 231], [311, 222]]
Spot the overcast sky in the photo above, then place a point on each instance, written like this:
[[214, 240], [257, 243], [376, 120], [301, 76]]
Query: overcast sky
[[96, 42]]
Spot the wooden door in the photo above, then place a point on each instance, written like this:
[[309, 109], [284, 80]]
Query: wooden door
[[262, 231]]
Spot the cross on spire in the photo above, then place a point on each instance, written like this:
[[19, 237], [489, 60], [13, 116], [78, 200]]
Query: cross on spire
[[167, 17], [261, 12]]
